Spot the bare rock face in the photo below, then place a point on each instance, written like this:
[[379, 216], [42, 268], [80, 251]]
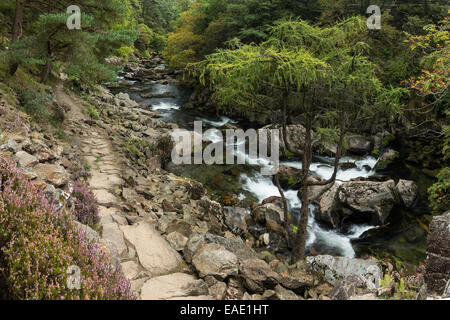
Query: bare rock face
[[335, 269], [214, 260], [154, 252], [258, 276], [437, 273], [176, 286]]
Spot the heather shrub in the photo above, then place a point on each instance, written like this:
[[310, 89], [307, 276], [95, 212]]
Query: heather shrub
[[38, 243], [86, 207]]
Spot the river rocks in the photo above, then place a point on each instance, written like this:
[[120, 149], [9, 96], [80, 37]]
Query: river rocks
[[334, 269], [298, 281], [123, 100], [327, 205], [176, 286], [236, 219], [52, 173], [437, 272], [408, 191], [358, 144], [270, 215], [367, 201], [386, 159], [214, 260], [257, 275], [154, 252], [290, 178], [157, 95]]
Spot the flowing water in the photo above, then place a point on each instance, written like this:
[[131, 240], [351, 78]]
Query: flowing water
[[243, 184]]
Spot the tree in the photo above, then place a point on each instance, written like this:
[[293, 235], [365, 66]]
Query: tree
[[433, 85], [321, 73], [83, 50]]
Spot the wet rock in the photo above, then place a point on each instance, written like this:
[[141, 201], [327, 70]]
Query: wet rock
[[366, 201], [358, 144], [176, 286], [214, 260], [408, 191], [334, 269], [437, 272], [327, 205], [154, 252], [258, 276], [290, 178], [52, 173], [386, 159]]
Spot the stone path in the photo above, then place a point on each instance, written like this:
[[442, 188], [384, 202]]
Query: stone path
[[146, 258]]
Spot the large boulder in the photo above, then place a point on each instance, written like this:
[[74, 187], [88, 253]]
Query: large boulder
[[365, 201], [214, 260], [154, 252], [335, 269], [437, 273], [258, 276], [358, 144], [327, 205]]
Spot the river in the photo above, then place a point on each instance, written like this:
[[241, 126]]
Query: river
[[242, 185]]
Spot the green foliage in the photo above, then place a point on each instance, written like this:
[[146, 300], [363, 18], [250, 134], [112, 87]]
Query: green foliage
[[439, 193]]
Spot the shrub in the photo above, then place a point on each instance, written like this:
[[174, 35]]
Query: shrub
[[38, 243], [86, 207], [439, 193]]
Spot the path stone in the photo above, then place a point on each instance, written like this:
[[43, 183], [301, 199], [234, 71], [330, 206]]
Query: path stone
[[176, 286], [112, 233], [154, 252]]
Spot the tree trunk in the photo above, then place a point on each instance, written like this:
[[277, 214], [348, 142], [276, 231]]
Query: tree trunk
[[299, 248], [17, 30], [48, 65]]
